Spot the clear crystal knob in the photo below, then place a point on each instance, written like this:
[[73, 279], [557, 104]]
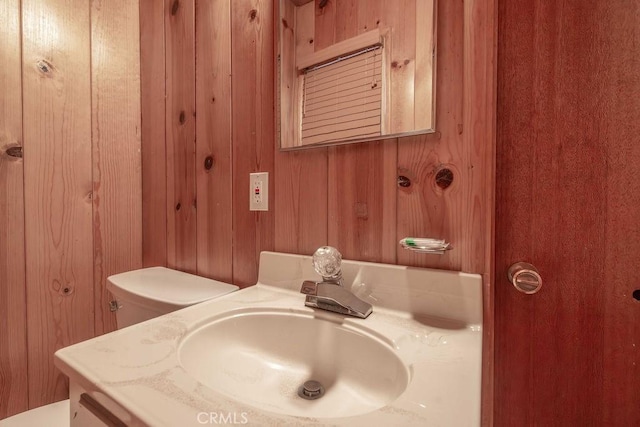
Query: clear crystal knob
[[326, 261]]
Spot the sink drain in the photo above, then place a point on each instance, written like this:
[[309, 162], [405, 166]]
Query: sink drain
[[311, 390]]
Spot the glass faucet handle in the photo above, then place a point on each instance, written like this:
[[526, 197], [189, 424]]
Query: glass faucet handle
[[326, 261]]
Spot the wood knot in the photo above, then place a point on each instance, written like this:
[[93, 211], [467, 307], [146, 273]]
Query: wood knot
[[394, 64], [404, 181], [253, 14], [182, 117], [444, 178], [208, 162], [63, 290], [14, 152], [178, 206], [44, 66], [174, 7]]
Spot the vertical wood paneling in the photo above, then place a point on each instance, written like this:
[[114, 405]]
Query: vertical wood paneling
[[181, 134], [424, 209], [424, 67], [154, 154], [479, 132], [301, 201], [325, 25], [401, 18], [117, 186], [13, 332], [362, 201], [288, 23], [361, 178], [252, 63], [347, 12], [213, 139], [77, 83], [300, 177], [58, 186], [480, 100]]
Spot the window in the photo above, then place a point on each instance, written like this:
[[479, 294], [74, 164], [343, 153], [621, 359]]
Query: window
[[342, 99]]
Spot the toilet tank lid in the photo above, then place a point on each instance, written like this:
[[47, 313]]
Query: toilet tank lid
[[166, 285]]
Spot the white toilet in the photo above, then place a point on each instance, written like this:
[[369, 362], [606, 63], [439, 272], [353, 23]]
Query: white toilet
[[140, 295]]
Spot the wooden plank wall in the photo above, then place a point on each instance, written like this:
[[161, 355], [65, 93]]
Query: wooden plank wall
[[73, 103], [181, 134], [117, 181], [346, 196], [213, 139], [13, 310], [57, 182], [208, 169], [152, 105]]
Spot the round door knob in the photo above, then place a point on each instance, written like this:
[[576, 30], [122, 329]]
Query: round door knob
[[525, 277]]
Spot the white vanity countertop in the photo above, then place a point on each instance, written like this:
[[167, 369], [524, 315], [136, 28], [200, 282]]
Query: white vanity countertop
[[138, 367]]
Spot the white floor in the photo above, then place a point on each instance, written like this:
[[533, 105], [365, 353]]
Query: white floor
[[54, 415]]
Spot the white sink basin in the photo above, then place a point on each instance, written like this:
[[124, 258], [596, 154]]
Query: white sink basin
[[262, 357], [240, 359]]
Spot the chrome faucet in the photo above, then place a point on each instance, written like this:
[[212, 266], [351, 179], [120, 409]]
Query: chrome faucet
[[330, 293]]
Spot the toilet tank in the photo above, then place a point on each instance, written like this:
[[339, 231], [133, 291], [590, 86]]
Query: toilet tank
[[151, 292]]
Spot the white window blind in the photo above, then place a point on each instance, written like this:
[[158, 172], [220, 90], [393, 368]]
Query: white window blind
[[343, 99]]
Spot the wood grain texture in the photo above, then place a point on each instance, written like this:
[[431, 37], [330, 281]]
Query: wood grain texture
[[117, 180], [300, 176], [361, 178], [620, 125], [362, 201], [424, 208], [567, 201], [400, 17], [344, 47], [58, 186], [288, 78], [301, 201], [153, 126], [304, 29], [253, 130], [479, 138], [13, 310], [425, 67], [213, 140], [181, 135]]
